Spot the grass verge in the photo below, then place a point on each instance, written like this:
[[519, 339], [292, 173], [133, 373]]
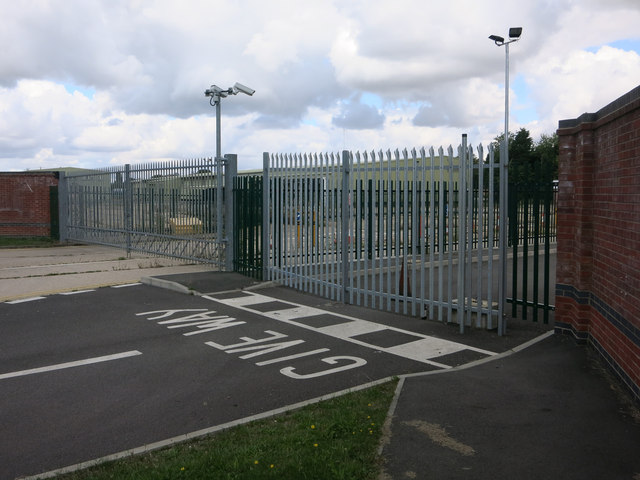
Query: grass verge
[[27, 242], [334, 439]]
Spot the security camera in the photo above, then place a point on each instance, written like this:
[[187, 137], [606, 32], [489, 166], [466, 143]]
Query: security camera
[[216, 91], [238, 87]]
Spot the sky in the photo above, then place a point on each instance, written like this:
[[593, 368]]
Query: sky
[[91, 83]]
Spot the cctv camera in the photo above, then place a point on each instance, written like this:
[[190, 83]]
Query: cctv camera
[[215, 90], [238, 87]]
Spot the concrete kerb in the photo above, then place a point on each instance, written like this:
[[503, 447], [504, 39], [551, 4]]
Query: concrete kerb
[[167, 285], [178, 287]]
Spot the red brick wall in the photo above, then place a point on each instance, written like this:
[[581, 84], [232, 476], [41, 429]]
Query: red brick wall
[[24, 203], [598, 273]]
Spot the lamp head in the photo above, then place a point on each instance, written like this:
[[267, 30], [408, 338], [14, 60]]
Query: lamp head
[[515, 32], [496, 38]]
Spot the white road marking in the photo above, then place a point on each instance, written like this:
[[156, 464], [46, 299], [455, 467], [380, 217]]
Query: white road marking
[[352, 329], [424, 349], [78, 363], [127, 285], [23, 300], [76, 292]]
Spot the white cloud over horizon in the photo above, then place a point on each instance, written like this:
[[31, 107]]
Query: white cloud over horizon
[[92, 83]]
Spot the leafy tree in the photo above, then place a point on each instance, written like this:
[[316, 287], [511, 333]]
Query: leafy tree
[[530, 162], [547, 151]]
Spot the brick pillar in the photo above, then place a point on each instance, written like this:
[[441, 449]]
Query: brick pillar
[[575, 223]]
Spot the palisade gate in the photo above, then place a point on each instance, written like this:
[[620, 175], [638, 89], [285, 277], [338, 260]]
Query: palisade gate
[[402, 232], [177, 209], [420, 233]]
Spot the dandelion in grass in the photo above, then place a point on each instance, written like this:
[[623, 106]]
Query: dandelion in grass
[[272, 466], [315, 445], [255, 462], [313, 427]]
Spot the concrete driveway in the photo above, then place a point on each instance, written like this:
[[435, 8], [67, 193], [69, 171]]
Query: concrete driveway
[[26, 272]]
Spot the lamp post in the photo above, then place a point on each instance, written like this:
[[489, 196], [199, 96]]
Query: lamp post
[[514, 36]]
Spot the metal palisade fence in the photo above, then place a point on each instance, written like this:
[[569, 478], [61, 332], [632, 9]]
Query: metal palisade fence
[[410, 232], [174, 209], [422, 233]]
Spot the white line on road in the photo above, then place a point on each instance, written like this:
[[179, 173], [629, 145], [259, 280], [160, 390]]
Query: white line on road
[[126, 285], [78, 363], [23, 300]]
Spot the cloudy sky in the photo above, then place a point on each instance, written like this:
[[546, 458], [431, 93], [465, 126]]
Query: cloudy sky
[[91, 83]]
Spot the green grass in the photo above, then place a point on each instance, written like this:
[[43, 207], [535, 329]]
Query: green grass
[[334, 439], [27, 242]]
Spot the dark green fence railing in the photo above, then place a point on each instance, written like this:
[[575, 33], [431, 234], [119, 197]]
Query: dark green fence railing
[[532, 229], [247, 200]]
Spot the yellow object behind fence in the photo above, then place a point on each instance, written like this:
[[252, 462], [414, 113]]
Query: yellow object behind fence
[[185, 225]]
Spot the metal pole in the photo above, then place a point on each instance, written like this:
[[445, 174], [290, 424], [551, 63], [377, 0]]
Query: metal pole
[[218, 130], [462, 237], [63, 207], [219, 185], [230, 173], [504, 182], [345, 214], [128, 205], [266, 227]]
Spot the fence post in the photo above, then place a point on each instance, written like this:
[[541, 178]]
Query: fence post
[[266, 195], [462, 229], [230, 173], [128, 206], [63, 207], [344, 211], [503, 232]]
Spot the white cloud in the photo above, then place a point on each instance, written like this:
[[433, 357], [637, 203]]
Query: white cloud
[[430, 67], [357, 115], [582, 81]]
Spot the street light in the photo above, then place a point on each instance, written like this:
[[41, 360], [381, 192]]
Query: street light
[[514, 36], [216, 93]]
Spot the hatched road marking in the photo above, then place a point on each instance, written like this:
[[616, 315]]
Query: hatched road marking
[[411, 345]]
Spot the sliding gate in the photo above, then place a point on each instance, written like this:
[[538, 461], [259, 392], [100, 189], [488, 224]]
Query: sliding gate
[[417, 233], [177, 209]]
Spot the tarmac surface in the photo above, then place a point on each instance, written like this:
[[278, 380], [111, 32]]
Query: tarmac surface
[[543, 407]]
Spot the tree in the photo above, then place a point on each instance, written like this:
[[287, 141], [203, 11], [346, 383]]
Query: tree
[[530, 162], [547, 150]]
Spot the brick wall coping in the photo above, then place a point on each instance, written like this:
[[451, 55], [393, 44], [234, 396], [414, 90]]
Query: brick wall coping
[[33, 173]]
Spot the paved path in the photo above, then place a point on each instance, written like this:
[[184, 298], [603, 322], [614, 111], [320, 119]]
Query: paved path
[[28, 272]]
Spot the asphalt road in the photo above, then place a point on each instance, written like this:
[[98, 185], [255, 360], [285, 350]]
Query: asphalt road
[[95, 372]]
